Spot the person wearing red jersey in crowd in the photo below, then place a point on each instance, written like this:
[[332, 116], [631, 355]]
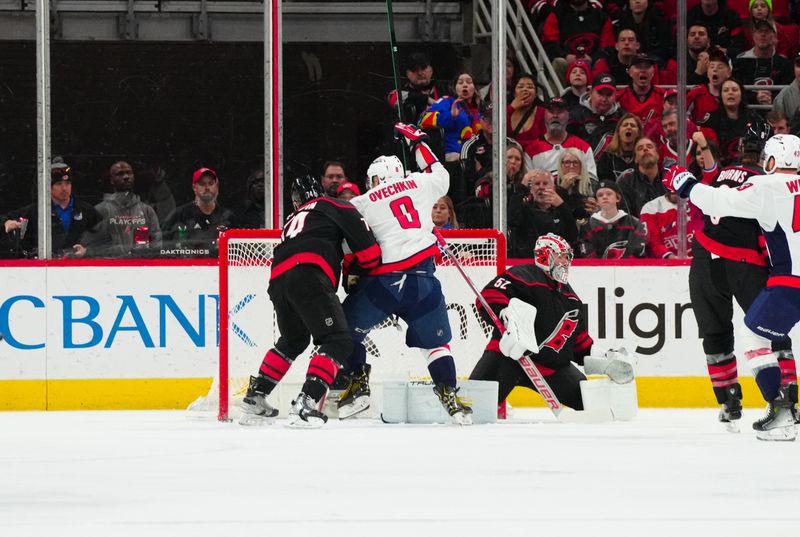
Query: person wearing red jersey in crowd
[[544, 152], [701, 101], [597, 116], [617, 157], [611, 233], [643, 183], [641, 97], [525, 115], [724, 25], [575, 30], [460, 117], [577, 82], [660, 217], [762, 65]]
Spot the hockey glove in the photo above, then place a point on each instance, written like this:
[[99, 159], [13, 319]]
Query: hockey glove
[[411, 133], [511, 347], [618, 371], [678, 179]]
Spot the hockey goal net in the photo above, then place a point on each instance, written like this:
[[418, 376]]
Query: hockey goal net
[[248, 327]]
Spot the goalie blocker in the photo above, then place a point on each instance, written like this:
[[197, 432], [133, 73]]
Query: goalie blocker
[[544, 321]]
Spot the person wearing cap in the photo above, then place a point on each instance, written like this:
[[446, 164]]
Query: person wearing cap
[[71, 219], [648, 22], [787, 101], [597, 116], [761, 10], [578, 75], [762, 65], [419, 90], [724, 25], [348, 191], [333, 175], [641, 96], [128, 223], [611, 233], [196, 225], [702, 100]]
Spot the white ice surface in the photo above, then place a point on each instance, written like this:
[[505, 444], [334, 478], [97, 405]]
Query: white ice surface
[[669, 472]]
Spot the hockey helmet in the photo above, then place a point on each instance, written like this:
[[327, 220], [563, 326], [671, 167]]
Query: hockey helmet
[[385, 167], [781, 151], [553, 254], [756, 133], [305, 188]]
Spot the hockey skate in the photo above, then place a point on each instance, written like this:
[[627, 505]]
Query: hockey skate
[[780, 422], [731, 410], [355, 398], [460, 413], [255, 409], [305, 414]]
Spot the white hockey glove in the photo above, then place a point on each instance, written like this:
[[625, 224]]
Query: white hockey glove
[[519, 337], [619, 371]]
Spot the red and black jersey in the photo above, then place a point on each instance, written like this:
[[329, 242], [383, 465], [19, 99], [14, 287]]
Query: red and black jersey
[[729, 237], [314, 233], [560, 325]]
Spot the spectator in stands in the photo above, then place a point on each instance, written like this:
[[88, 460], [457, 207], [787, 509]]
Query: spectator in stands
[[459, 116], [778, 122], [525, 115], [643, 183], [660, 216], [252, 214], [444, 214], [577, 83], [668, 146], [544, 152], [71, 218], [420, 90], [333, 175], [698, 44], [573, 184], [545, 213], [617, 60], [724, 25], [617, 157], [641, 97], [703, 100], [197, 224], [788, 99], [611, 233], [597, 116], [476, 155], [762, 65], [761, 10], [647, 21], [575, 30], [705, 161], [516, 192], [730, 119], [348, 191], [127, 223], [512, 71]]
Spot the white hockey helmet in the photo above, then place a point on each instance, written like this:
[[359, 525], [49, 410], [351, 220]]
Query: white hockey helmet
[[553, 254], [385, 167], [784, 150]]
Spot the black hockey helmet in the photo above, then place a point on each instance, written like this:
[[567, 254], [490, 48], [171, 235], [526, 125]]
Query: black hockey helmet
[[756, 133], [306, 188]]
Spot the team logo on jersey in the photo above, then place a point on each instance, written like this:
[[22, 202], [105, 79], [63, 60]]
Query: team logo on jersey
[[565, 328], [745, 186], [328, 321]]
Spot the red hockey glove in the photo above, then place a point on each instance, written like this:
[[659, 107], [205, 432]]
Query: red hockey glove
[[679, 179], [411, 133]]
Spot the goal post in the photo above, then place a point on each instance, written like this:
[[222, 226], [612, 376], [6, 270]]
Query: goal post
[[247, 326]]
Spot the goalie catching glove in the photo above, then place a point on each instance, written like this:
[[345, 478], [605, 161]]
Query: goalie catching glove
[[519, 337], [619, 371]]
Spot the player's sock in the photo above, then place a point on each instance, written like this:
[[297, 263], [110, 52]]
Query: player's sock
[[322, 371], [441, 366], [356, 360], [788, 368], [765, 369], [273, 368], [723, 373]]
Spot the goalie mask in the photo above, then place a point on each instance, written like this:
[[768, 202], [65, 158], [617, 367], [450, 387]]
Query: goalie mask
[[784, 150], [553, 254], [304, 189], [385, 168]]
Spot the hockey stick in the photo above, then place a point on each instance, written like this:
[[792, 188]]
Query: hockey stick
[[393, 50], [525, 362]]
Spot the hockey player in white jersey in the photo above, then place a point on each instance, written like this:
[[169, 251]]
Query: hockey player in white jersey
[[774, 201], [398, 209]]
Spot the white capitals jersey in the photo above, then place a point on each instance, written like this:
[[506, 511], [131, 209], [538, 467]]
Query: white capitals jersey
[[399, 213], [772, 200]]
